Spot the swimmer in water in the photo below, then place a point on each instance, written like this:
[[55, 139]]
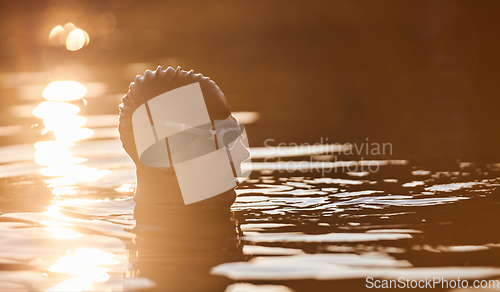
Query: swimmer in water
[[159, 182], [177, 244]]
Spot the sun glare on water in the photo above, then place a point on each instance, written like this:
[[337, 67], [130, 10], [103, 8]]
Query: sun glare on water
[[62, 119], [86, 265], [64, 90]]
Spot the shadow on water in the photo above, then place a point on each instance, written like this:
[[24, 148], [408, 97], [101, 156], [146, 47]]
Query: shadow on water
[[177, 248]]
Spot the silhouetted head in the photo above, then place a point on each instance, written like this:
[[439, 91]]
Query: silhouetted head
[[159, 185]]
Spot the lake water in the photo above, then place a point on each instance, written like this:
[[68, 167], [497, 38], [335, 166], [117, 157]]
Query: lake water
[[68, 221], [298, 230]]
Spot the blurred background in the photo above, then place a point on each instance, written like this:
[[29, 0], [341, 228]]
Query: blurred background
[[421, 75]]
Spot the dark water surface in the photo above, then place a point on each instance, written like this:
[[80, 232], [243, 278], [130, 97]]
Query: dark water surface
[[286, 230], [308, 219]]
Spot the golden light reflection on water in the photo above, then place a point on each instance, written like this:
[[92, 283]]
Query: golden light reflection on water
[[125, 188], [86, 264], [53, 144], [53, 212], [46, 109], [54, 223], [64, 172], [75, 134], [64, 90], [56, 157], [89, 175], [86, 267], [61, 119], [62, 191], [63, 233]]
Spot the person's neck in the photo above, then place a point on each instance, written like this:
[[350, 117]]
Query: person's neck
[[161, 189], [157, 187]]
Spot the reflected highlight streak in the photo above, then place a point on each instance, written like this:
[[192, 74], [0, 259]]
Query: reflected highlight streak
[[47, 109], [64, 90], [89, 175], [63, 233], [61, 118], [86, 265]]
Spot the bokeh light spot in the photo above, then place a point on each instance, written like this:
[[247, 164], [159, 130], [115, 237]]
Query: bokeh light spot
[[76, 40]]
